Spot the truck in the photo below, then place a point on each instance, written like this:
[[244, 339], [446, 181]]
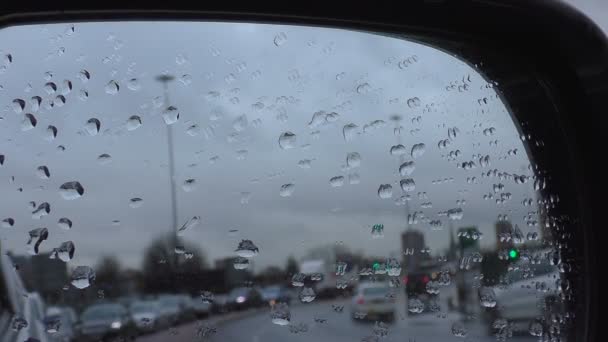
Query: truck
[[321, 276]]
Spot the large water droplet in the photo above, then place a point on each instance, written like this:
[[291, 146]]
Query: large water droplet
[[336, 181], [92, 126], [65, 251], [82, 277], [407, 168], [350, 131], [307, 295], [66, 87], [385, 191], [194, 221], [354, 178], [407, 184], [279, 314], [71, 190], [287, 190], [280, 39], [35, 102], [51, 133], [52, 324], [104, 159], [364, 88], [398, 150], [417, 150], [458, 329], [353, 160], [413, 102], [29, 121], [246, 249], [136, 202], [18, 323], [170, 115], [50, 88], [241, 263], [83, 94], [287, 140], [535, 329], [133, 123], [84, 76], [36, 237], [112, 88], [43, 172], [487, 297], [43, 209], [18, 105], [134, 84], [415, 305], [189, 185], [64, 223], [8, 222]]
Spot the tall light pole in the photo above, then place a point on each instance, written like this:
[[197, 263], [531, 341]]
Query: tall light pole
[[165, 79], [396, 118]]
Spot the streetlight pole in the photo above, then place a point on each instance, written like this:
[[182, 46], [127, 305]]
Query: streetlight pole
[[165, 79]]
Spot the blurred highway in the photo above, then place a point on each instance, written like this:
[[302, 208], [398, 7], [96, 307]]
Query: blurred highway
[[320, 322]]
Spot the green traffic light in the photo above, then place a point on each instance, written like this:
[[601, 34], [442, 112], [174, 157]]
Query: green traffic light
[[376, 265], [513, 254]]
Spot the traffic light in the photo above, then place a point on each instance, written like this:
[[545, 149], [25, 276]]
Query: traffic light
[[513, 254]]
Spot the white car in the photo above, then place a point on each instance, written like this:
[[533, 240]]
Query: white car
[[527, 300], [372, 301]]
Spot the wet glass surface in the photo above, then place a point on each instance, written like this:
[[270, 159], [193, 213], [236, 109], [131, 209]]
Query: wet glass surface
[[249, 182]]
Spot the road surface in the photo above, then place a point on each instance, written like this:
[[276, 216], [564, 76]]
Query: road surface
[[256, 326]]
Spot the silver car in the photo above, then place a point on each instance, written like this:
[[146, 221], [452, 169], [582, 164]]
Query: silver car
[[146, 316], [372, 301], [527, 299]]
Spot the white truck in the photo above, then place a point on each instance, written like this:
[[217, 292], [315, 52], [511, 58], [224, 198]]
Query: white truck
[[322, 277]]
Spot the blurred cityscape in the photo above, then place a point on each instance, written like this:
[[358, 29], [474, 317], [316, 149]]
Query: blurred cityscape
[[177, 285]]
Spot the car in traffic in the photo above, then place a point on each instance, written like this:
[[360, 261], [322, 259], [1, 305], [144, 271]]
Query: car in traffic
[[275, 294], [66, 317], [529, 297], [146, 316], [373, 301], [200, 308], [243, 298], [171, 308], [104, 321]]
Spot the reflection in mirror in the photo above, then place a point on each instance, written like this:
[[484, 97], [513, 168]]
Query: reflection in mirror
[[233, 181]]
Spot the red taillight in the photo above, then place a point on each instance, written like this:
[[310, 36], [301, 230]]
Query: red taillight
[[425, 279], [406, 279], [360, 301]]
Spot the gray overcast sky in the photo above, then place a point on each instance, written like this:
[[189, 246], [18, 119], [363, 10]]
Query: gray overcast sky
[[314, 68]]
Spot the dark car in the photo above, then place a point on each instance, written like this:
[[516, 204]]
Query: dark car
[[275, 294], [243, 298], [105, 321]]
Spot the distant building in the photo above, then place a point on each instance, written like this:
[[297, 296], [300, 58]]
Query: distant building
[[468, 239], [503, 228], [412, 242]]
